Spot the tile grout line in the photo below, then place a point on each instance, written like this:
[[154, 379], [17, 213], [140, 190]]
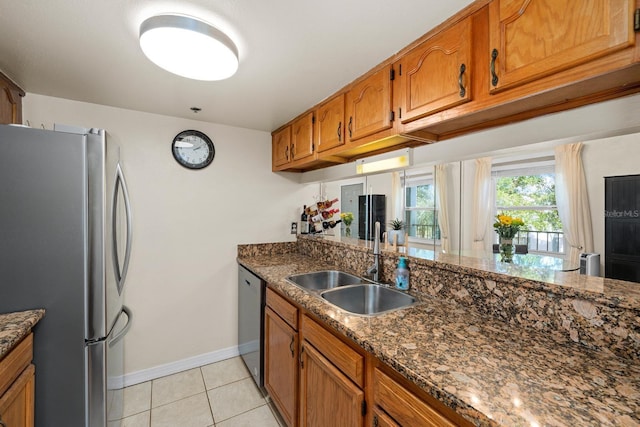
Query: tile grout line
[[206, 393]]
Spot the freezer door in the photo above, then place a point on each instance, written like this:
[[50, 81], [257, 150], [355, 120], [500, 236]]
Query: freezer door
[[105, 363]]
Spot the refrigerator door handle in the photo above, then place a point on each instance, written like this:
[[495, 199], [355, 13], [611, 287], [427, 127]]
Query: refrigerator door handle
[[121, 273], [117, 337]]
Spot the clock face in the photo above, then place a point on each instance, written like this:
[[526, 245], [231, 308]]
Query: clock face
[[193, 149]]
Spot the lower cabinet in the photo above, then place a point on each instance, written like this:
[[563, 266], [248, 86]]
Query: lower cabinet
[[281, 356], [327, 396], [317, 379], [17, 379]]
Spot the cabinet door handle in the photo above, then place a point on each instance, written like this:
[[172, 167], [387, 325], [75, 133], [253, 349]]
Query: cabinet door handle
[[301, 360], [350, 122], [494, 76], [293, 152], [463, 90], [340, 132], [286, 152], [291, 345], [375, 421]]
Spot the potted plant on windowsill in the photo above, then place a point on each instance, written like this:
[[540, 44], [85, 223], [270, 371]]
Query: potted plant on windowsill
[[396, 232]]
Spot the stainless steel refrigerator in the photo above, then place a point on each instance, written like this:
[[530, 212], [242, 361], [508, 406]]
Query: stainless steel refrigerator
[[65, 244]]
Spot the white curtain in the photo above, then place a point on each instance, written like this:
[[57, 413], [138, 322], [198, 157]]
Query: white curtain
[[482, 197], [397, 195], [572, 200], [442, 204]]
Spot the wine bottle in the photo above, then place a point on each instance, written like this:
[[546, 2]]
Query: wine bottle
[[329, 203], [330, 224], [328, 214], [304, 216]]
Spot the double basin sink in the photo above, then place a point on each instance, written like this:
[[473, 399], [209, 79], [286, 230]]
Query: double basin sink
[[352, 293]]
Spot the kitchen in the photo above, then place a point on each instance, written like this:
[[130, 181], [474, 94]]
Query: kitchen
[[187, 224]]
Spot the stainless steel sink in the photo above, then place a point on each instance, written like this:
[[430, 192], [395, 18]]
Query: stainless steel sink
[[321, 280], [368, 299]]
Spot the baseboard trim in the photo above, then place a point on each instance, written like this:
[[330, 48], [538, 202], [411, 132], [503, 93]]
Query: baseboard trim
[[178, 366]]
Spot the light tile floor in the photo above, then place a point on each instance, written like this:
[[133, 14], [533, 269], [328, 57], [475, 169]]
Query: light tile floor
[[222, 394]]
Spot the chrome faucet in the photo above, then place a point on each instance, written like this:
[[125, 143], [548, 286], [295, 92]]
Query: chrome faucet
[[374, 270]]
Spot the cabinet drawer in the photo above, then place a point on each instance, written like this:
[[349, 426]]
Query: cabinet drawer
[[405, 407], [350, 362], [284, 308], [15, 362]]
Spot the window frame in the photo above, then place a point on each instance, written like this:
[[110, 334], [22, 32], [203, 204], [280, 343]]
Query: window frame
[[529, 167], [415, 180]]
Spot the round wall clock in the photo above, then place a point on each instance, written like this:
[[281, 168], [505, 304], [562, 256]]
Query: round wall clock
[[193, 149]]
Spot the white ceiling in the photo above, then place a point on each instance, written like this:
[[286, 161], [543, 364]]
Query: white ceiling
[[293, 53]]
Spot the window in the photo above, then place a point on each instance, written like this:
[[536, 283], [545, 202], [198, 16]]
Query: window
[[527, 191], [421, 215]]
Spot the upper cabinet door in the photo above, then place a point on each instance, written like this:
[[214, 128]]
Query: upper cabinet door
[[329, 126], [436, 74], [281, 147], [369, 105], [530, 39], [302, 137]]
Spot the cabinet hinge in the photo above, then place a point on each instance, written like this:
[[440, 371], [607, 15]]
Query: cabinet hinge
[[399, 69], [364, 408], [392, 74], [313, 120], [392, 116], [400, 112], [636, 20], [313, 147]]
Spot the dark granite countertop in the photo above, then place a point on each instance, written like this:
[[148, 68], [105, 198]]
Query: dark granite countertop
[[15, 326], [489, 371]]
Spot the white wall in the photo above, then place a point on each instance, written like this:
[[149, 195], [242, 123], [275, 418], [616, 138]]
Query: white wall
[[183, 275], [614, 156]]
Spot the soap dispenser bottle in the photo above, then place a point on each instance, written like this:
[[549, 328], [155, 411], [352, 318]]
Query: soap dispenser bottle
[[402, 275]]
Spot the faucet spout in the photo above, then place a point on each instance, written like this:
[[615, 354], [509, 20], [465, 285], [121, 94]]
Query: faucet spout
[[376, 239], [374, 270]]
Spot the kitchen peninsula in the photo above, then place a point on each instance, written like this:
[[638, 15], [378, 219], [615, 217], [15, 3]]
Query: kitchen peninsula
[[490, 347]]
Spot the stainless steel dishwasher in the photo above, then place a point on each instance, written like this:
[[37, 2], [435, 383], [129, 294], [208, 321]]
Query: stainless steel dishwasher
[[251, 303]]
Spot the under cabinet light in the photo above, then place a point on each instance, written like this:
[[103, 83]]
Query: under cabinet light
[[385, 162]]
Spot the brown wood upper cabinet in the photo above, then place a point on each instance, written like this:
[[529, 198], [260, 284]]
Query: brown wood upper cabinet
[[281, 147], [369, 105], [302, 137], [530, 39], [10, 101], [329, 126], [435, 75]]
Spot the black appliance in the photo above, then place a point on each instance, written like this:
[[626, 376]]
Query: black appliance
[[622, 227], [371, 208]]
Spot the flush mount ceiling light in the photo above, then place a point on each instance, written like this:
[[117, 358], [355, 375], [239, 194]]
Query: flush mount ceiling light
[[188, 47]]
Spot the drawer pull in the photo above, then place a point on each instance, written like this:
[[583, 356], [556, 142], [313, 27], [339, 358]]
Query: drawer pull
[[291, 345]]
